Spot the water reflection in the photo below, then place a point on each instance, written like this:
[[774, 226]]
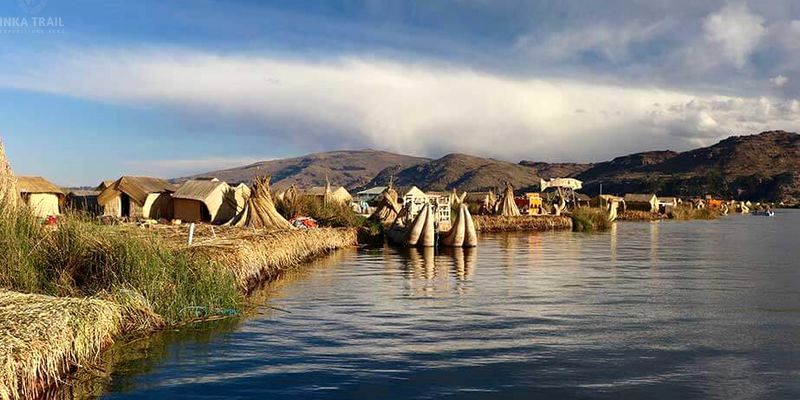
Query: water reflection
[[428, 270], [662, 310]]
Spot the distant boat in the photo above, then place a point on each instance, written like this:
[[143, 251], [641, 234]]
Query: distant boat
[[765, 213]]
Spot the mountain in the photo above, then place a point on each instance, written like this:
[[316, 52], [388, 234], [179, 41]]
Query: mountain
[[555, 170], [461, 171], [765, 166], [758, 167], [351, 169]]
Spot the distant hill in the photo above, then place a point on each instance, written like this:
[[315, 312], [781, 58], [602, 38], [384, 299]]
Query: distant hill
[[351, 169], [765, 166], [461, 171], [755, 167], [556, 170]]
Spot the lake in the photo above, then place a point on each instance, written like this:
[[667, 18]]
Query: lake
[[700, 309]]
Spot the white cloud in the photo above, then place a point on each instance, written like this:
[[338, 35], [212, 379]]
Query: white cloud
[[736, 30], [778, 81], [408, 107], [612, 42]]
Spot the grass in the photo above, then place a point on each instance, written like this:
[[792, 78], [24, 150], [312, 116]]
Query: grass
[[332, 214], [256, 257], [533, 223], [588, 219], [688, 213], [82, 258]]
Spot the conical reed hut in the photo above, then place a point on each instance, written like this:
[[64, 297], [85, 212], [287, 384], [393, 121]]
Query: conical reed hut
[[260, 211], [507, 206], [8, 184]]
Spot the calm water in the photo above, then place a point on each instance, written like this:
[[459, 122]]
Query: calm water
[[648, 310]]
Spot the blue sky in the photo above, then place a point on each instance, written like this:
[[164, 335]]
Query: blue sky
[[171, 88]]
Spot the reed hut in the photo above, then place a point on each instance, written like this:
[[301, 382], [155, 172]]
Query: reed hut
[[507, 207], [641, 202], [137, 197], [328, 194], [480, 202], [211, 201], [44, 198], [582, 200], [414, 200], [372, 195]]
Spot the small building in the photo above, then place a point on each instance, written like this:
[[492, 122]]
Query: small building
[[534, 206], [211, 201], [641, 202], [441, 201], [582, 200], [371, 195], [480, 202], [414, 200], [336, 194], [137, 197], [604, 200], [43, 197], [84, 201], [667, 204]]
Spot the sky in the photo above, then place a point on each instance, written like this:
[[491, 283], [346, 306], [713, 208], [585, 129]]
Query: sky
[[91, 90]]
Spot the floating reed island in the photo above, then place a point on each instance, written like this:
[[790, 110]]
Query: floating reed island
[[73, 286]]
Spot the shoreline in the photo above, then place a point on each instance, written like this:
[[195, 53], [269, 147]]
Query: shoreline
[[253, 258]]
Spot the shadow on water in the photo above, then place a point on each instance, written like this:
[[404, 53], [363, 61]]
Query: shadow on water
[[124, 361]]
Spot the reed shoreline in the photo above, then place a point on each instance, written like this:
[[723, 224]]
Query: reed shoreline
[[97, 284], [522, 223]]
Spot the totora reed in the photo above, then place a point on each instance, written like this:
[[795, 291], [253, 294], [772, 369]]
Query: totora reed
[[43, 337], [530, 223], [254, 257]]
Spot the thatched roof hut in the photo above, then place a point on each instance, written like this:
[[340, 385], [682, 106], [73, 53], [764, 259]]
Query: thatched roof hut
[[211, 201], [43, 197], [641, 202], [372, 194], [327, 193], [478, 201], [137, 197]]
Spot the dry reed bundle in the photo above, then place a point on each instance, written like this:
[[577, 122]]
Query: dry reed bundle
[[535, 223], [388, 208], [43, 337], [257, 257], [635, 215], [8, 184], [507, 207], [261, 212]]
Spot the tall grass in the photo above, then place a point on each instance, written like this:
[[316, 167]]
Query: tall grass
[[82, 258], [331, 214], [682, 212], [589, 219]]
